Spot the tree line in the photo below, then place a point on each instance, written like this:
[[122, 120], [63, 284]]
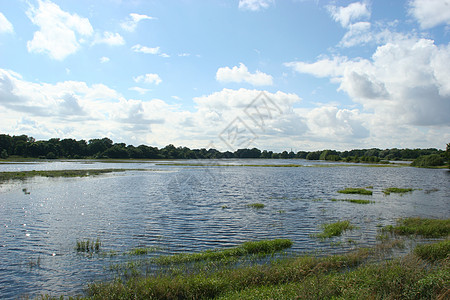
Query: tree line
[[25, 146]]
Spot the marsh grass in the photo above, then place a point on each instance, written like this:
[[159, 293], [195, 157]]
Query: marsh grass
[[88, 246], [264, 247], [434, 251], [360, 191], [256, 205], [390, 190], [429, 228], [334, 229], [4, 176], [357, 201], [142, 251]]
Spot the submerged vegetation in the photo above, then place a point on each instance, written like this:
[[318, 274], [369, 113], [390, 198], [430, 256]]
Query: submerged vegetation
[[357, 201], [256, 205], [4, 176], [334, 229], [360, 191]]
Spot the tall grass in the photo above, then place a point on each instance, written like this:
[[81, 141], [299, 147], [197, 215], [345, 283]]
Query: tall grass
[[88, 246], [334, 229]]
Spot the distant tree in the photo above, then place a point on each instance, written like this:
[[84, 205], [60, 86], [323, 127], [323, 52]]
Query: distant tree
[[431, 160], [4, 154], [314, 155]]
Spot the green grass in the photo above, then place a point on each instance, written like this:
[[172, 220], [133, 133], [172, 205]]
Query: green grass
[[357, 201], [263, 247], [4, 176], [256, 205], [334, 229], [360, 191], [141, 251], [88, 246], [390, 190], [434, 251], [430, 228], [348, 276]]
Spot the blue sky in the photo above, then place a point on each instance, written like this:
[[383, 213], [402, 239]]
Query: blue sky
[[272, 74]]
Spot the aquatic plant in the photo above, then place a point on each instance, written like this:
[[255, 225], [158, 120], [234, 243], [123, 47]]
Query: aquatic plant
[[430, 228], [334, 229], [4, 176], [248, 248], [390, 190], [141, 251], [357, 201], [256, 205], [360, 191], [88, 245]]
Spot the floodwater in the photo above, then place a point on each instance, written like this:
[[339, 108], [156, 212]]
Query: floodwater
[[190, 208]]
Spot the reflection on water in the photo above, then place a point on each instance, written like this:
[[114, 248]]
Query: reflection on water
[[183, 208]]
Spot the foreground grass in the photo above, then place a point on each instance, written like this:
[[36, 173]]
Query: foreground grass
[[347, 276], [334, 229], [430, 228], [360, 191], [4, 176], [433, 252], [248, 248]]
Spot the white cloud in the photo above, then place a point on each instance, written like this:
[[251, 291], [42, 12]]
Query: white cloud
[[184, 54], [405, 83], [241, 74], [144, 49], [148, 78], [104, 59], [357, 34], [109, 38], [132, 22], [254, 5], [346, 15], [60, 33], [140, 90], [5, 25], [431, 13]]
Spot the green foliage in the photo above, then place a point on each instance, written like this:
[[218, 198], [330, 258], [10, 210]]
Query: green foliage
[[360, 191], [434, 251], [390, 190], [141, 251], [430, 228], [335, 229], [256, 205], [432, 160], [357, 201]]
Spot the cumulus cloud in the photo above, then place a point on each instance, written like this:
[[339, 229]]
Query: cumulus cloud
[[60, 33], [403, 83], [254, 5], [140, 90], [131, 23], [241, 74], [148, 78], [109, 38], [430, 13], [5, 25], [348, 14], [144, 49]]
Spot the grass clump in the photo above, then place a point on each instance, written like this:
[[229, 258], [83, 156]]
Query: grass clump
[[360, 191], [430, 228], [4, 176], [256, 205], [434, 251], [357, 201], [248, 248], [141, 251], [334, 229], [88, 246], [390, 190]]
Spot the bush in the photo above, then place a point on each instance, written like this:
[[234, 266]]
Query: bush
[[431, 160]]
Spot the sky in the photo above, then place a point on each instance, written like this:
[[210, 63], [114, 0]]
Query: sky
[[228, 74]]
